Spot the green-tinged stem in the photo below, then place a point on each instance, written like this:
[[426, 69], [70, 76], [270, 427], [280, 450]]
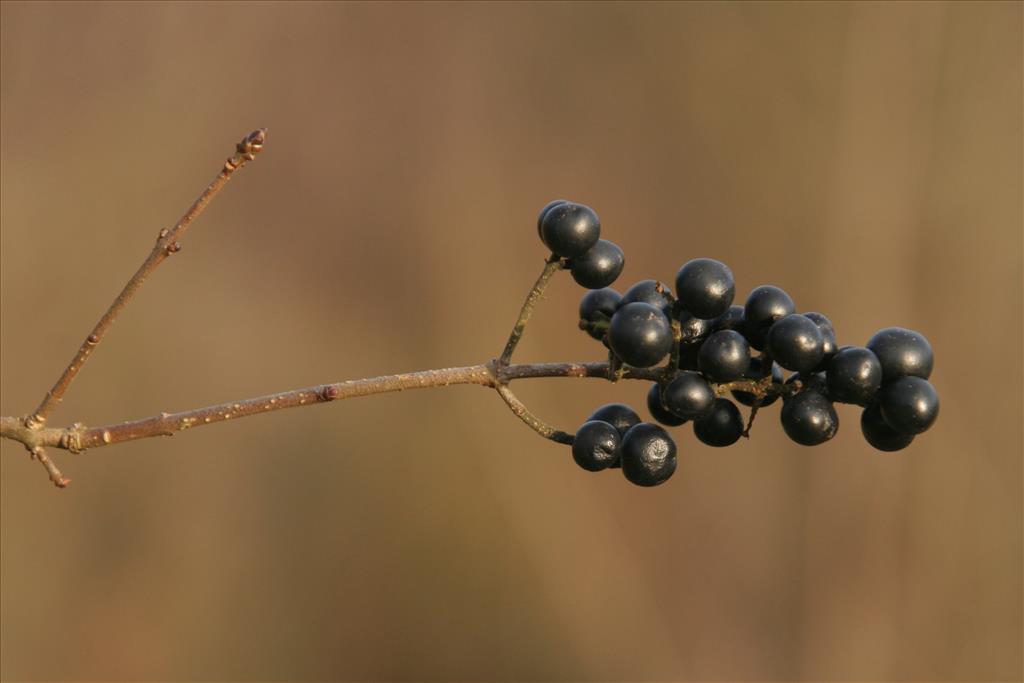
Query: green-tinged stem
[[552, 266]]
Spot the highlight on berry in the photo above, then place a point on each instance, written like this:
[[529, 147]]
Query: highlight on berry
[[709, 349]]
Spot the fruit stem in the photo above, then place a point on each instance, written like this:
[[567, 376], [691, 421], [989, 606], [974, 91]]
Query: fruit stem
[[551, 266]]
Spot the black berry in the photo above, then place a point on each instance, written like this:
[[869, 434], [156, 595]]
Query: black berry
[[689, 354], [618, 415], [724, 356], [648, 455], [599, 267], [764, 306], [909, 405], [640, 334], [596, 310], [650, 292], [854, 375], [732, 319], [809, 418], [796, 343], [596, 445], [902, 352], [656, 407], [705, 287], [879, 434], [689, 396], [544, 212], [570, 229], [694, 329], [828, 335], [722, 426]]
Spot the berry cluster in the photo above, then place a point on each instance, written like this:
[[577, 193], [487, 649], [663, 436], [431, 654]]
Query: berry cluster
[[709, 342]]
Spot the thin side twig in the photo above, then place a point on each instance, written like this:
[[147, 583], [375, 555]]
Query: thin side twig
[[167, 243], [532, 421], [551, 266], [58, 479]]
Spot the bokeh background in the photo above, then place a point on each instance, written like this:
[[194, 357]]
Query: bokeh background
[[866, 157]]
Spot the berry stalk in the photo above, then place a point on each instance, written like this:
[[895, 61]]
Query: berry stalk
[[551, 266]]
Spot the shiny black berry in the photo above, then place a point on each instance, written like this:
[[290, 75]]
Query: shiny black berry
[[705, 287], [599, 267], [879, 434], [909, 404], [596, 445], [692, 328], [732, 319], [544, 212], [640, 334], [755, 372], [570, 229], [809, 418], [650, 292], [656, 407], [854, 375], [689, 396], [689, 354], [596, 310], [902, 352], [796, 343], [648, 455], [722, 426], [724, 356], [828, 335], [619, 415], [764, 306]]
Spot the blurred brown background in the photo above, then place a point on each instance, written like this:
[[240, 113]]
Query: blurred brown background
[[865, 157]]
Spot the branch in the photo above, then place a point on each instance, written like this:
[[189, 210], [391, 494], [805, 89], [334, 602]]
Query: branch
[[167, 243], [552, 266], [78, 438], [35, 436], [532, 421]]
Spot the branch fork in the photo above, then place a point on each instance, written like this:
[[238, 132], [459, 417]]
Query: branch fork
[[31, 430]]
